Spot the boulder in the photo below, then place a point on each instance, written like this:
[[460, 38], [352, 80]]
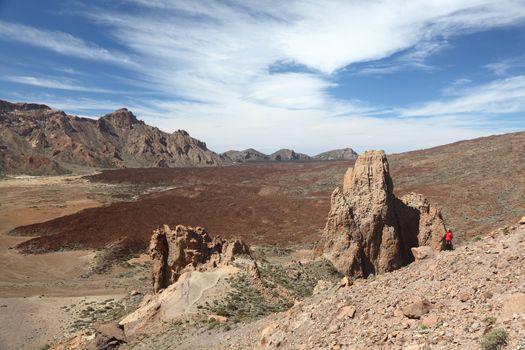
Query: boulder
[[522, 221], [417, 309], [109, 336], [346, 312], [186, 248], [421, 253], [369, 230]]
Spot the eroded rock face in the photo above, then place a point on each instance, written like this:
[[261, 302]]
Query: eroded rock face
[[421, 223], [369, 230], [35, 139], [186, 248]]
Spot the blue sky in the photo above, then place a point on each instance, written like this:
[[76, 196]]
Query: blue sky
[[308, 75]]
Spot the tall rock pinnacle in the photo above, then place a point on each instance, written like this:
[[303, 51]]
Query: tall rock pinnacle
[[369, 230]]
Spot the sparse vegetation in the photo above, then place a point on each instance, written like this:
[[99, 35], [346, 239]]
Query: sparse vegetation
[[489, 320], [283, 284], [245, 302], [494, 340], [104, 311]]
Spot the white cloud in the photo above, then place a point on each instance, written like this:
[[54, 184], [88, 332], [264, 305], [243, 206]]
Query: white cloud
[[331, 35], [497, 97], [211, 63], [60, 42], [52, 83], [502, 68]]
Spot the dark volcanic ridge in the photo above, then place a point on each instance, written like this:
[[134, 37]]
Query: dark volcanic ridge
[[477, 184]]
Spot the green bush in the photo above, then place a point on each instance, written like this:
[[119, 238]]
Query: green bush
[[494, 340]]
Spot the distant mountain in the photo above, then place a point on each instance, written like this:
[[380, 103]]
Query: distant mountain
[[288, 154], [35, 139], [337, 154], [248, 155], [252, 155]]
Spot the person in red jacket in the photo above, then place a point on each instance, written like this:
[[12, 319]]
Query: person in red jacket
[[448, 240]]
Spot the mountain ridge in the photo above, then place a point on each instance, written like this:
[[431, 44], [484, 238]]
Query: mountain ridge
[[37, 140]]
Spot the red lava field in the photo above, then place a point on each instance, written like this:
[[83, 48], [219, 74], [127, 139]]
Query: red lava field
[[287, 203]]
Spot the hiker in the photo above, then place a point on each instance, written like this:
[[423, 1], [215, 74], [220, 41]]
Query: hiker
[[448, 240]]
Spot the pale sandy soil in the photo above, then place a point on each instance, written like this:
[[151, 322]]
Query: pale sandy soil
[[41, 295]]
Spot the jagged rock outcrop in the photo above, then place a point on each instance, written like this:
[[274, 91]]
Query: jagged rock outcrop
[[369, 230], [186, 248], [35, 139], [420, 222]]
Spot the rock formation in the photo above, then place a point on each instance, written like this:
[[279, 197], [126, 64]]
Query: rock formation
[[337, 154], [35, 139], [288, 155], [369, 230], [185, 248], [248, 155]]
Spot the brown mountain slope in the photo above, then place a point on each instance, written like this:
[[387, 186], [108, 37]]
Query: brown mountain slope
[[478, 184], [36, 139]]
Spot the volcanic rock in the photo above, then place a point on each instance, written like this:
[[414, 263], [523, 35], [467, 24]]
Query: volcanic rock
[[35, 139], [419, 219], [288, 155], [369, 230], [248, 155], [417, 309], [337, 154], [109, 336], [422, 252], [185, 248]]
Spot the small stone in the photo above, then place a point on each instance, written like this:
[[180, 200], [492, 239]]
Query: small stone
[[464, 296], [345, 282], [218, 318]]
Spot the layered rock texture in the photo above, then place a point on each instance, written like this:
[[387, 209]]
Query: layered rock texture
[[35, 139], [186, 248], [369, 230]]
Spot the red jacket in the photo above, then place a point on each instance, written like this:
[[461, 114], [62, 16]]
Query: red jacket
[[448, 236]]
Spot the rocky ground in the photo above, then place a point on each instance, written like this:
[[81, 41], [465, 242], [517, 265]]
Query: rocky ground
[[469, 298]]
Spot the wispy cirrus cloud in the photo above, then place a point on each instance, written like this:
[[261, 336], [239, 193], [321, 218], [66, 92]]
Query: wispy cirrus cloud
[[59, 42], [497, 97], [52, 83], [505, 66]]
